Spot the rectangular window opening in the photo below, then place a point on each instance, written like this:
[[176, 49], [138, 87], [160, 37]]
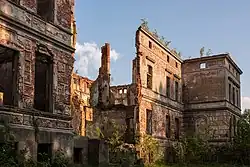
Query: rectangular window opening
[[8, 76], [78, 155], [43, 82], [168, 87], [168, 128], [44, 152], [167, 58], [233, 95], [150, 77], [149, 122], [177, 128], [237, 97], [176, 91], [229, 91], [45, 9], [150, 44], [203, 65], [129, 130]]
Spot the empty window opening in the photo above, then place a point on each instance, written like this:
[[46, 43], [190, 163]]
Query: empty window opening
[[176, 91], [45, 9], [120, 91], [43, 82], [125, 91], [150, 44], [130, 130], [150, 77], [168, 87], [176, 64], [168, 128], [233, 95], [8, 76], [44, 152], [149, 122], [78, 156], [237, 97], [203, 65], [229, 91], [177, 128], [234, 125], [167, 58]]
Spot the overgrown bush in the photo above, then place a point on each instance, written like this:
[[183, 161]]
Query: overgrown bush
[[199, 150], [150, 149]]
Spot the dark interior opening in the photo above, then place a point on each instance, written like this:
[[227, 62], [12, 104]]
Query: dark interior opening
[[45, 9], [177, 129], [78, 155], [44, 152], [43, 82], [8, 75]]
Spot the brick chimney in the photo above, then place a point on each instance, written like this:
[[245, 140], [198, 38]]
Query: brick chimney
[[104, 76], [105, 59]]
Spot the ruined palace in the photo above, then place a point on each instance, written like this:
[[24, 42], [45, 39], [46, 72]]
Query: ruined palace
[[36, 63], [170, 97]]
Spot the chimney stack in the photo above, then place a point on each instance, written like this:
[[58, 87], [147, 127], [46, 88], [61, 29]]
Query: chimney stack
[[105, 59]]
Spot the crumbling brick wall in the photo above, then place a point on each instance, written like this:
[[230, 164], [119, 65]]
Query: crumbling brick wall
[[82, 111], [30, 35], [164, 63]]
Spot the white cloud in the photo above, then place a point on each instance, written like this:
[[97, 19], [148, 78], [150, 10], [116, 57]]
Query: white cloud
[[245, 103], [88, 59]]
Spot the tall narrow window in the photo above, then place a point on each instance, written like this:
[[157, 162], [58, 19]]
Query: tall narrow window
[[177, 128], [176, 64], [237, 97], [45, 9], [168, 128], [229, 91], [149, 122], [43, 82], [176, 91], [168, 87], [167, 58], [129, 134], [8, 76], [233, 95], [150, 77], [150, 44]]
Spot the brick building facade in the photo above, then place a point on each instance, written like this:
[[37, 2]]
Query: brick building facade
[[82, 111], [36, 63], [170, 97], [212, 96]]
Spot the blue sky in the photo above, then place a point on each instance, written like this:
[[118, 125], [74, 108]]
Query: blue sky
[[222, 26]]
